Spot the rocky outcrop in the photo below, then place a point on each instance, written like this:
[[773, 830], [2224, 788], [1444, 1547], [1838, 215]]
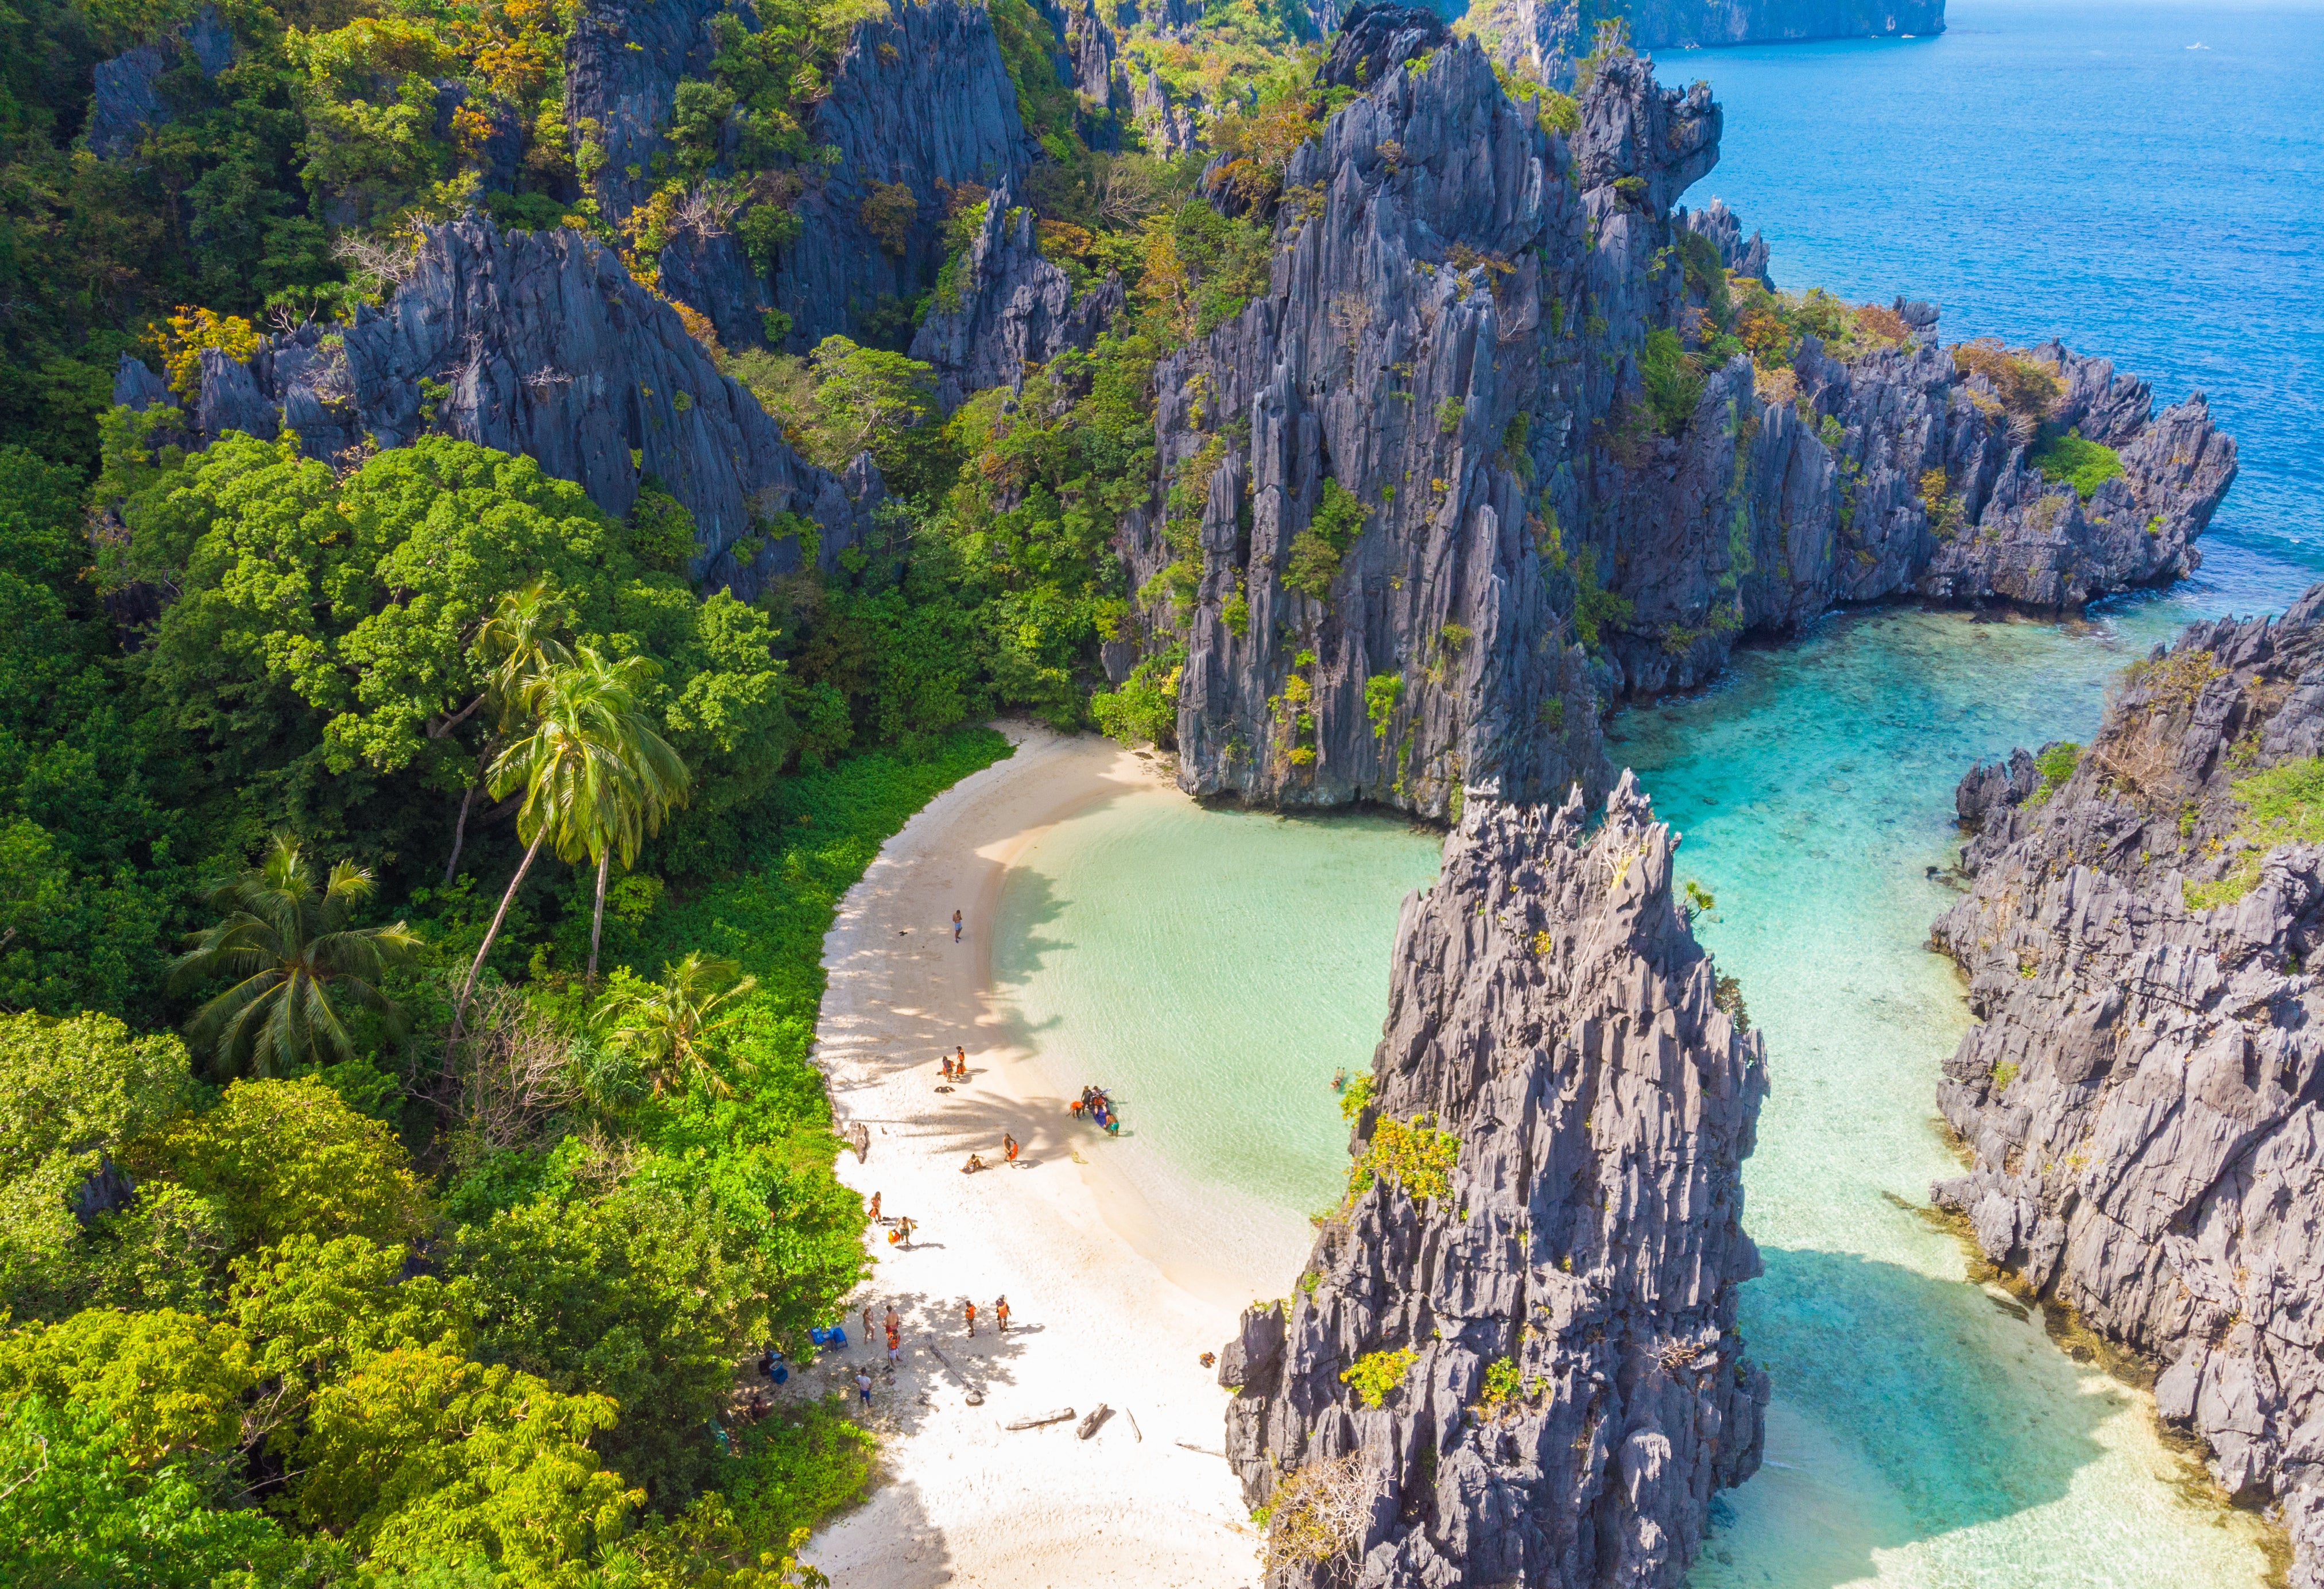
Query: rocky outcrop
[[1573, 1385], [923, 100], [1460, 334], [2142, 1097], [1552, 35], [1891, 474], [1717, 223], [622, 66], [1374, 40], [1088, 67], [126, 101], [540, 344], [1166, 127], [1015, 309], [1392, 367]]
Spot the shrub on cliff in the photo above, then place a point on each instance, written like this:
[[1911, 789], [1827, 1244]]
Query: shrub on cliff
[[2074, 460]]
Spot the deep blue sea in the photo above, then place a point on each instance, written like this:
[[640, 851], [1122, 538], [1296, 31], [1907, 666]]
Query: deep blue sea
[[2139, 180]]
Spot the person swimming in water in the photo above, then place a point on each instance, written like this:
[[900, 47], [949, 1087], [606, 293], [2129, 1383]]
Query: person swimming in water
[[1339, 1079]]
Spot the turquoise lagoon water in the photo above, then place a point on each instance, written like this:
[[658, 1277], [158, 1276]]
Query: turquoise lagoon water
[[2037, 169]]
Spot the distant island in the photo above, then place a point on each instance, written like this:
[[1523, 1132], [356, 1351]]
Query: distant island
[[1553, 35]]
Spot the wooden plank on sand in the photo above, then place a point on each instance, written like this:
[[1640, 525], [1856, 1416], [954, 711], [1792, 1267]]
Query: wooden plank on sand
[[1038, 1420]]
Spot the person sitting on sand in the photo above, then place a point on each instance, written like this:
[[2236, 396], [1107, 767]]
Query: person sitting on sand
[[1009, 1146], [975, 1162]]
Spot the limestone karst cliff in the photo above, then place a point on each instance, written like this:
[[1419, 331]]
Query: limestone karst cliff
[[539, 343], [1485, 372], [2143, 1094], [1514, 1357]]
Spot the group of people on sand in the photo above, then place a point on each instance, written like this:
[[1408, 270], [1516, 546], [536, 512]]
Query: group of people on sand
[[955, 1065], [1009, 1151], [1099, 1108], [899, 1226]]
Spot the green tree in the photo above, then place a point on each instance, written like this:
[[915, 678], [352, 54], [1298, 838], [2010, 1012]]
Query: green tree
[[72, 1092], [673, 1025], [283, 1159], [518, 644], [294, 957], [648, 1294], [593, 770], [79, 1513], [423, 1458], [864, 397]]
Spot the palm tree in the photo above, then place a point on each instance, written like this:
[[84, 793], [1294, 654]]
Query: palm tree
[[517, 644], [669, 1025], [294, 958], [593, 771]]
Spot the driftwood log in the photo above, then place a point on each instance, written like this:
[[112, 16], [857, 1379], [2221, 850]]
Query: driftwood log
[[1039, 1419]]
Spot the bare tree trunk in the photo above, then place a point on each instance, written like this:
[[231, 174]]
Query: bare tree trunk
[[491, 932], [597, 922], [459, 836]]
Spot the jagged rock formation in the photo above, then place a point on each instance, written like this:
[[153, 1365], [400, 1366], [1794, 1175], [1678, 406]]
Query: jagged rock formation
[[1015, 309], [922, 99], [1378, 363], [1552, 35], [126, 101], [2143, 1096], [622, 65], [1375, 39], [1456, 332], [1721, 224], [1088, 67], [1551, 1011], [1166, 127], [545, 346]]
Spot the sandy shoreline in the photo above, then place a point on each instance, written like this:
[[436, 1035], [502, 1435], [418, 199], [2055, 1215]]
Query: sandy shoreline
[[965, 1500]]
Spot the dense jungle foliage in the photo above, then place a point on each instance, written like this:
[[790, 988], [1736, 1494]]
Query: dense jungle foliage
[[411, 886]]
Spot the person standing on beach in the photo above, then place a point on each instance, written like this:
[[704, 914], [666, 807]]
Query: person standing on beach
[[1001, 1314], [955, 927], [970, 1308], [895, 1321], [875, 1208], [863, 1386], [895, 1341], [867, 1323], [960, 1063], [1009, 1146]]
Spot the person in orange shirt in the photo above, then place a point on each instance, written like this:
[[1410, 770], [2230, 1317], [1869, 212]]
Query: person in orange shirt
[[970, 1309], [1001, 1314]]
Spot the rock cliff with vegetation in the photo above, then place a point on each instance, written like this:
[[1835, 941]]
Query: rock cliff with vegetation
[[539, 343], [2140, 1097], [1502, 440], [1514, 1356]]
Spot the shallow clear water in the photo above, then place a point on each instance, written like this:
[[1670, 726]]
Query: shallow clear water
[[1212, 970], [2039, 170]]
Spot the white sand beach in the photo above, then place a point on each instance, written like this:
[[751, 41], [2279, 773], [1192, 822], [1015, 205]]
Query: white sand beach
[[965, 1500]]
